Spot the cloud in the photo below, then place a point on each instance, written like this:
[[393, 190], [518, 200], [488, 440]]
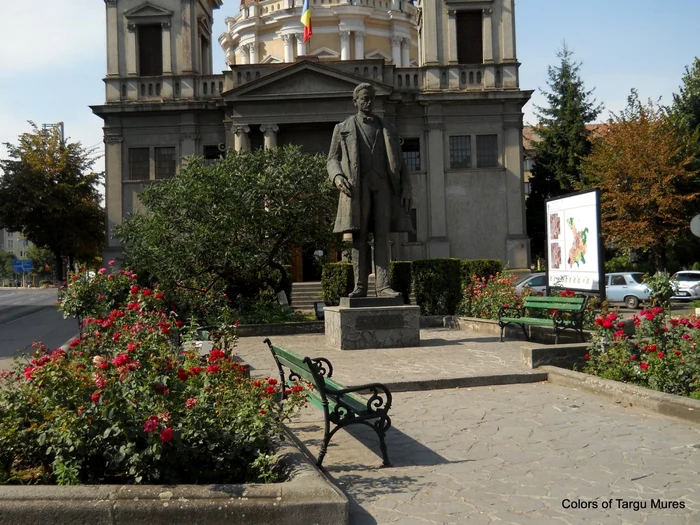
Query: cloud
[[49, 34]]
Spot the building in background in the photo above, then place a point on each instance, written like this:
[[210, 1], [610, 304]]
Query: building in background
[[445, 73]]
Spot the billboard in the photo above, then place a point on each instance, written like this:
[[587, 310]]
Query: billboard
[[574, 244]]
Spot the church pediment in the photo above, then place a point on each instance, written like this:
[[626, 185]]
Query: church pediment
[[147, 10], [303, 80]]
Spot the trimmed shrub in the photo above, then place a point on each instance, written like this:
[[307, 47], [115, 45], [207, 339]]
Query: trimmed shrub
[[480, 268], [337, 280], [400, 278], [437, 285]]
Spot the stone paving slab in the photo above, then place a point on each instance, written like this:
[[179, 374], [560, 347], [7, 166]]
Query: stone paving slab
[[444, 355], [512, 455]]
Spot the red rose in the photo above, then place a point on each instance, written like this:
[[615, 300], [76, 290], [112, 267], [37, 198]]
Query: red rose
[[95, 397], [166, 434], [191, 402], [182, 375], [270, 390], [633, 357], [147, 292], [653, 348], [121, 360], [263, 412], [587, 356], [607, 324], [195, 370], [151, 424], [660, 355], [216, 354], [134, 289], [213, 369], [271, 381], [678, 352], [159, 295], [179, 323], [644, 366]]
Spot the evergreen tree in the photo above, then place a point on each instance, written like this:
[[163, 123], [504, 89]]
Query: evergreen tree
[[562, 142]]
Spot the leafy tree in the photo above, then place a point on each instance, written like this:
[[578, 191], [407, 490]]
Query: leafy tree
[[562, 142], [230, 224], [6, 259], [648, 195], [686, 104], [49, 194], [42, 260]]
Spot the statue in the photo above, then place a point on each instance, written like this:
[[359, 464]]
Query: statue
[[365, 164]]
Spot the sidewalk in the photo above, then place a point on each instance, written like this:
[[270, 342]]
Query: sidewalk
[[506, 453]]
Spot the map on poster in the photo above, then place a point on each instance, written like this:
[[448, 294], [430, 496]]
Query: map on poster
[[572, 242]]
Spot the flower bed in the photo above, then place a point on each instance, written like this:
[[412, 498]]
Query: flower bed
[[124, 404], [663, 355]]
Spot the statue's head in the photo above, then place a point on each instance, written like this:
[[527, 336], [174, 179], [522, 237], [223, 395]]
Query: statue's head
[[363, 96]]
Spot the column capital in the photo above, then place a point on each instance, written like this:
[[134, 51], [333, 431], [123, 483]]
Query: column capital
[[299, 36], [240, 129], [165, 25], [487, 12], [406, 40], [396, 40], [131, 27], [111, 3], [286, 38], [452, 13], [345, 36], [267, 128], [113, 138], [360, 34]]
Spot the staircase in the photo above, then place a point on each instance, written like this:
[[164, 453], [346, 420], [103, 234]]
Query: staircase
[[304, 295]]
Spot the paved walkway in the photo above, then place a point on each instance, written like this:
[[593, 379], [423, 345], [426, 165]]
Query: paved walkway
[[503, 454]]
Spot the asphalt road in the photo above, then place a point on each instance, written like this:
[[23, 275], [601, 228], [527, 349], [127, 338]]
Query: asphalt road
[[28, 315]]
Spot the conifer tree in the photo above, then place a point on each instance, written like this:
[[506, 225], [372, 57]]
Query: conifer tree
[[562, 142]]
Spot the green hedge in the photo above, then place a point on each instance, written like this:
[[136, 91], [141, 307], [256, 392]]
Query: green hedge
[[480, 268], [437, 285], [337, 280], [400, 278]]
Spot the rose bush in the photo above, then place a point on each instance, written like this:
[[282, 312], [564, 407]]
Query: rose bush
[[124, 404], [663, 355], [485, 295]]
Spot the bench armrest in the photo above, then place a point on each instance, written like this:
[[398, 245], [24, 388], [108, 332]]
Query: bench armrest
[[325, 367], [375, 402], [518, 312]]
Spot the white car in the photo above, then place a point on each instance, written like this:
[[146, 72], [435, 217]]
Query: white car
[[536, 283], [688, 285]]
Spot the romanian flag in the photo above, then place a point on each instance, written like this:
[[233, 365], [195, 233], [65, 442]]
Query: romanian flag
[[306, 20]]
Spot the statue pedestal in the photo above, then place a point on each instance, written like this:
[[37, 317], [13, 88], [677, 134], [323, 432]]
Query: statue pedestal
[[372, 322]]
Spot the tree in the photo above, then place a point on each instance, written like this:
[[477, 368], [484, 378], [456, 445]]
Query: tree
[[48, 192], [648, 195], [563, 141], [686, 104], [42, 261], [6, 271], [230, 223]]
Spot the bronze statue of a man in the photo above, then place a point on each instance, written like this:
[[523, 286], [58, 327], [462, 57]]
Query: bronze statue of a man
[[365, 164]]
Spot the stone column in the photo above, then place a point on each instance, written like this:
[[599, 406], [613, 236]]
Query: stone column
[[112, 39], [429, 40], [438, 245], [345, 45], [396, 50], [243, 50], [488, 36], [185, 38], [131, 50], [270, 135], [288, 47], [167, 49], [301, 45], [253, 52], [405, 52], [113, 184], [517, 243], [188, 140], [508, 28], [359, 45], [240, 138], [452, 55]]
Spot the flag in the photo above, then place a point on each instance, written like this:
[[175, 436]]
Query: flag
[[306, 20]]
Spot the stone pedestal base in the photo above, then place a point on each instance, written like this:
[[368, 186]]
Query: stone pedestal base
[[372, 327]]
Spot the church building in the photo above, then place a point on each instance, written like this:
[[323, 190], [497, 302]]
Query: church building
[[445, 74]]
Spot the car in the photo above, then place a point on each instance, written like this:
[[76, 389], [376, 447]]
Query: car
[[536, 283], [688, 283], [626, 287]]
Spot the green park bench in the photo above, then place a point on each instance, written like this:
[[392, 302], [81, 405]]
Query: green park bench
[[562, 313], [341, 406]]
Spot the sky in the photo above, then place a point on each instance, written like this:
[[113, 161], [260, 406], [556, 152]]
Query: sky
[[53, 57]]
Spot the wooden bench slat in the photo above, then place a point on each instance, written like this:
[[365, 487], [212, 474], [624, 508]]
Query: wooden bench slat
[[554, 307], [303, 370]]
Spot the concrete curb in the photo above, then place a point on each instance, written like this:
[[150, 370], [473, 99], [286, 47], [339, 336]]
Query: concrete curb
[[308, 497], [538, 334], [562, 355], [659, 402]]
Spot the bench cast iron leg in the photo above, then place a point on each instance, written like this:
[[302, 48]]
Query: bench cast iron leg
[[381, 426], [502, 328]]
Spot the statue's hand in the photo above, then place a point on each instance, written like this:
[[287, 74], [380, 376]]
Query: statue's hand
[[342, 183], [406, 199]]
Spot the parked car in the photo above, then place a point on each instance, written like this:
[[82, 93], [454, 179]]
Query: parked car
[[626, 287], [536, 283], [688, 285]]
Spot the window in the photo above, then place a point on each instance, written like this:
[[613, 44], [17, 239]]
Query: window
[[469, 37], [165, 162], [487, 151], [618, 280], [10, 244], [150, 43], [212, 154], [413, 236], [139, 164], [10, 235], [411, 154], [205, 53], [460, 152]]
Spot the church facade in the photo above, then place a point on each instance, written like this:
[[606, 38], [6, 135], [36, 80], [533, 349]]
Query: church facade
[[445, 74]]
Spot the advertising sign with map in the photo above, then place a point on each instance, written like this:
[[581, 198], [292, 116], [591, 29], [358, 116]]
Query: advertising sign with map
[[574, 251]]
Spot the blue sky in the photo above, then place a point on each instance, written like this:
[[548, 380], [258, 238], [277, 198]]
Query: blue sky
[[52, 55]]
